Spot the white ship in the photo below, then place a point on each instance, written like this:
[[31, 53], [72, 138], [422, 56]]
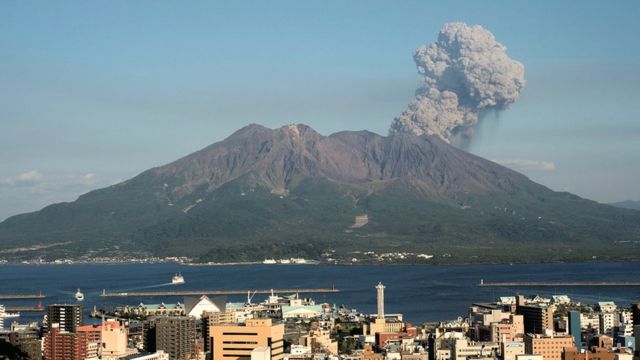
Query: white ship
[[177, 279], [285, 261], [79, 295], [269, 261]]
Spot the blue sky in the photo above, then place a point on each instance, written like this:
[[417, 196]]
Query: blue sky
[[92, 93]]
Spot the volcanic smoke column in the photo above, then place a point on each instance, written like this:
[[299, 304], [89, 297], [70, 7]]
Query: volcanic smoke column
[[464, 73]]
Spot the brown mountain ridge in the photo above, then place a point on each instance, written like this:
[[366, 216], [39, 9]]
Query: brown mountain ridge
[[294, 192]]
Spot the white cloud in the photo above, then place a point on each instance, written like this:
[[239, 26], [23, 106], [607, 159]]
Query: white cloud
[[528, 165], [33, 190], [87, 179], [34, 180], [32, 176]]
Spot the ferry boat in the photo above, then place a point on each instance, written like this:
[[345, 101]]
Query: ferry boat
[[269, 261], [177, 279], [79, 295]]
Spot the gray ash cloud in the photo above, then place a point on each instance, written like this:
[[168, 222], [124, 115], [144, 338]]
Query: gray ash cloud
[[465, 73]]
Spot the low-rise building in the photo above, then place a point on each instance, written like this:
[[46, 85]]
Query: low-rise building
[[602, 341], [301, 311], [607, 306], [198, 306], [598, 354], [529, 357], [320, 341], [560, 299], [261, 353], [510, 350], [26, 339], [161, 309], [463, 348], [158, 355]]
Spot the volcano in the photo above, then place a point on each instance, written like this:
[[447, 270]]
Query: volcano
[[352, 195]]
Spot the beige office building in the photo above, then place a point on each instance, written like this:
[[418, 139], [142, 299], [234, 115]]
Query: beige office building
[[463, 349], [236, 341], [511, 330], [550, 347]]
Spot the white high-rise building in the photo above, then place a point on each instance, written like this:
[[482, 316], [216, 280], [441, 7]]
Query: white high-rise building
[[380, 288], [607, 322]]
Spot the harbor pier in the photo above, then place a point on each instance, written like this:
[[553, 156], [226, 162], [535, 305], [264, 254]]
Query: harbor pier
[[21, 296], [216, 292], [24, 308], [557, 283]]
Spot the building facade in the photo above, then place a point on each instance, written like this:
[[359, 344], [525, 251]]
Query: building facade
[[67, 316], [538, 319], [575, 330], [62, 345], [176, 335], [550, 347], [237, 341]]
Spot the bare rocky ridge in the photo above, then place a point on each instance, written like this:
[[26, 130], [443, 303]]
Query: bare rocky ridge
[[283, 157]]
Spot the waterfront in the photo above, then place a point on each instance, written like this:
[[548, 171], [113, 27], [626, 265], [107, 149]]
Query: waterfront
[[420, 292]]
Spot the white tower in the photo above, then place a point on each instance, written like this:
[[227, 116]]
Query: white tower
[[380, 289]]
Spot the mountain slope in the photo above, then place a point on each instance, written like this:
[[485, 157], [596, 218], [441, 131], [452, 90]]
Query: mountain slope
[[627, 204], [293, 192]]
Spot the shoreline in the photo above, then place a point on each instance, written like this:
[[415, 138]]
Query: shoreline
[[317, 262]]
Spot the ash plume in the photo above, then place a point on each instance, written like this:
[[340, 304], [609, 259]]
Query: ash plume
[[465, 73]]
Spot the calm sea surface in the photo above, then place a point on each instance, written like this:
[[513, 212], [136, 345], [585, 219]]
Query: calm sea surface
[[421, 293]]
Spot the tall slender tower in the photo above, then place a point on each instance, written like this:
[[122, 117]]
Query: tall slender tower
[[380, 289]]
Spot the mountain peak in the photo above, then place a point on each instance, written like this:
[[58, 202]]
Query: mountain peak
[[296, 129], [249, 130], [291, 185], [283, 157]]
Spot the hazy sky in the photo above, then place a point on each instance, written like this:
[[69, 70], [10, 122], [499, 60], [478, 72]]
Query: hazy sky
[[92, 93]]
